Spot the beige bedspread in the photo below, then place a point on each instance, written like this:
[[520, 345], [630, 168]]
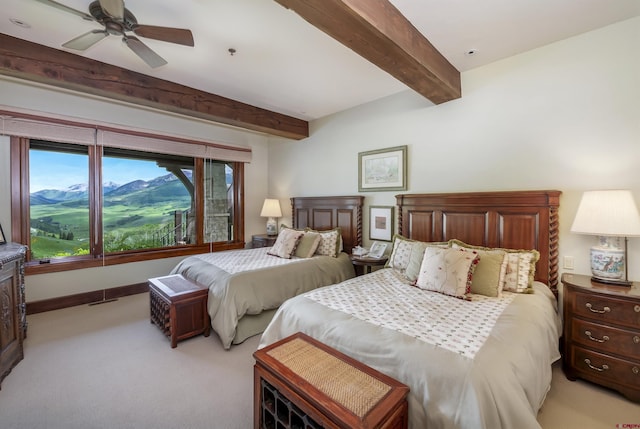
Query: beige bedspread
[[479, 364], [249, 281]]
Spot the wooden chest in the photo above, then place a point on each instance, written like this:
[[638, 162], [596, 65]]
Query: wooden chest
[[602, 334], [302, 383], [179, 307]]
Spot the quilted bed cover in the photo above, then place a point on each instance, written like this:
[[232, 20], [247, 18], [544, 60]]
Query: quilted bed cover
[[483, 363], [249, 281]]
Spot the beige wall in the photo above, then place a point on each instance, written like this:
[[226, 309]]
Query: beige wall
[[565, 116]]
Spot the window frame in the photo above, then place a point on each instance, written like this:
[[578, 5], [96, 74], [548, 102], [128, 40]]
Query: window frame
[[20, 216]]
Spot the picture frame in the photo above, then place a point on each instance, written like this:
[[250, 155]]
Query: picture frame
[[3, 239], [377, 250], [381, 223], [383, 169]]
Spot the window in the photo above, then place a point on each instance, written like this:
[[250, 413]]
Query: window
[[88, 205]]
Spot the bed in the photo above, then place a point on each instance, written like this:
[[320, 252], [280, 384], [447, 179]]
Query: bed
[[246, 286], [479, 362]]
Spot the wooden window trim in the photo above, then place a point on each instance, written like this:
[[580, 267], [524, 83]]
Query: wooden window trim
[[20, 229]]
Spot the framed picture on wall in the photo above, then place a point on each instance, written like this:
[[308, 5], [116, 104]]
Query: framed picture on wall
[[380, 223], [383, 169], [3, 240]]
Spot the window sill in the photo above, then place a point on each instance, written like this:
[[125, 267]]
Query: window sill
[[81, 262]]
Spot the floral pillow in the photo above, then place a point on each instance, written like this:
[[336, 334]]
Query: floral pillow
[[448, 271], [330, 242], [286, 243], [401, 250], [518, 269], [406, 255], [489, 275]]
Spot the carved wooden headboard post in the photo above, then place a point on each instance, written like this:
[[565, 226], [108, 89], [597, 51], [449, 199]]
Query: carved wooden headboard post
[[509, 219], [322, 213]]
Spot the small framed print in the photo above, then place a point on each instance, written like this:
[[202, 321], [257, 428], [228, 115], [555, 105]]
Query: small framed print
[[383, 169], [381, 223], [377, 250], [3, 240]]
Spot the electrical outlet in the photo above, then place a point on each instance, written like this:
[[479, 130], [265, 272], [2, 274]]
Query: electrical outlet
[[568, 263]]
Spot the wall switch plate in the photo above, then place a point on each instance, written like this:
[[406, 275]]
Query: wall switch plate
[[568, 263]]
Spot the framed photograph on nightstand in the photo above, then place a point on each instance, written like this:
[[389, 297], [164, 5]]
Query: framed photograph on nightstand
[[381, 223]]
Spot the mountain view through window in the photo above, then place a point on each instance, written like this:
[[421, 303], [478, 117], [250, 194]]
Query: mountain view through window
[[147, 200]]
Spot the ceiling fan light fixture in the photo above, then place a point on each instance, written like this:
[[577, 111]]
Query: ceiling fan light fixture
[[118, 20]]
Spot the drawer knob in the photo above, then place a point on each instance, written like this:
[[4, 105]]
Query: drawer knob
[[593, 310], [636, 339], [603, 368], [635, 370], [597, 340], [636, 308]]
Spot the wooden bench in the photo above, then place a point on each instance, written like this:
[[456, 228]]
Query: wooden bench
[[179, 307], [301, 383]]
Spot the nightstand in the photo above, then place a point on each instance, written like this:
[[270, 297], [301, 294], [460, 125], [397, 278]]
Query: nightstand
[[363, 264], [263, 240], [602, 334]]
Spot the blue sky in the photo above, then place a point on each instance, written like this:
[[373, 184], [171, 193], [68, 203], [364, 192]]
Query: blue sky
[[71, 169]]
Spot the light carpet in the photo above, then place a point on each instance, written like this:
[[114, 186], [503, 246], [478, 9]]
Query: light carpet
[[107, 366]]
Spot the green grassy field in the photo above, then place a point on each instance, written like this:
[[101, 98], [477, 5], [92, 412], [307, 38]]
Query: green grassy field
[[129, 222]]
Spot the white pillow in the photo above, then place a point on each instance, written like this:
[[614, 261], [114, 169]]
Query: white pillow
[[447, 271]]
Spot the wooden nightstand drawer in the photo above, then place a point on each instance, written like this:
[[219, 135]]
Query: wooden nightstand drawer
[[263, 240], [606, 370], [606, 338], [607, 309]]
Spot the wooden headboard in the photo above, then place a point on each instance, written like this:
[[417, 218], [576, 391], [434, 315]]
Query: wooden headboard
[[322, 213], [513, 220]]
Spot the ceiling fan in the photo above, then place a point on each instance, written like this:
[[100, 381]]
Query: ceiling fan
[[117, 21]]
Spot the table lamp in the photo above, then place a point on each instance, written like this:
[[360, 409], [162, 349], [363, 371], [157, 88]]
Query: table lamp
[[271, 210], [612, 215]]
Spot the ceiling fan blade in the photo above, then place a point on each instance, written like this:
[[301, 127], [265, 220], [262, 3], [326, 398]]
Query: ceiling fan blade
[[86, 40], [166, 34], [143, 51], [67, 9], [113, 8]]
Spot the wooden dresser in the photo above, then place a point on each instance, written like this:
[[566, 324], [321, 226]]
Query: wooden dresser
[[13, 320], [301, 383], [602, 334]]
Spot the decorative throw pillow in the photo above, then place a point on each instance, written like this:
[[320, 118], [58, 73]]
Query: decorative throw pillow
[[448, 271], [330, 241], [520, 267], [488, 277], [415, 260], [285, 243], [401, 249], [307, 245], [519, 274], [406, 255]]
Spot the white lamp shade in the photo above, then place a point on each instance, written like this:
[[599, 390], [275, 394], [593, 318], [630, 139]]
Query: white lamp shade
[[271, 208], [611, 213]]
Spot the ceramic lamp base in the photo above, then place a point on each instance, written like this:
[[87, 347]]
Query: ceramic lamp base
[[608, 262], [272, 227]]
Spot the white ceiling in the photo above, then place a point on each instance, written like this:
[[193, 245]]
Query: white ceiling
[[284, 64]]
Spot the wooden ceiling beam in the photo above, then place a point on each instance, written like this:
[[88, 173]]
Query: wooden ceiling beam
[[38, 63], [377, 31]]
